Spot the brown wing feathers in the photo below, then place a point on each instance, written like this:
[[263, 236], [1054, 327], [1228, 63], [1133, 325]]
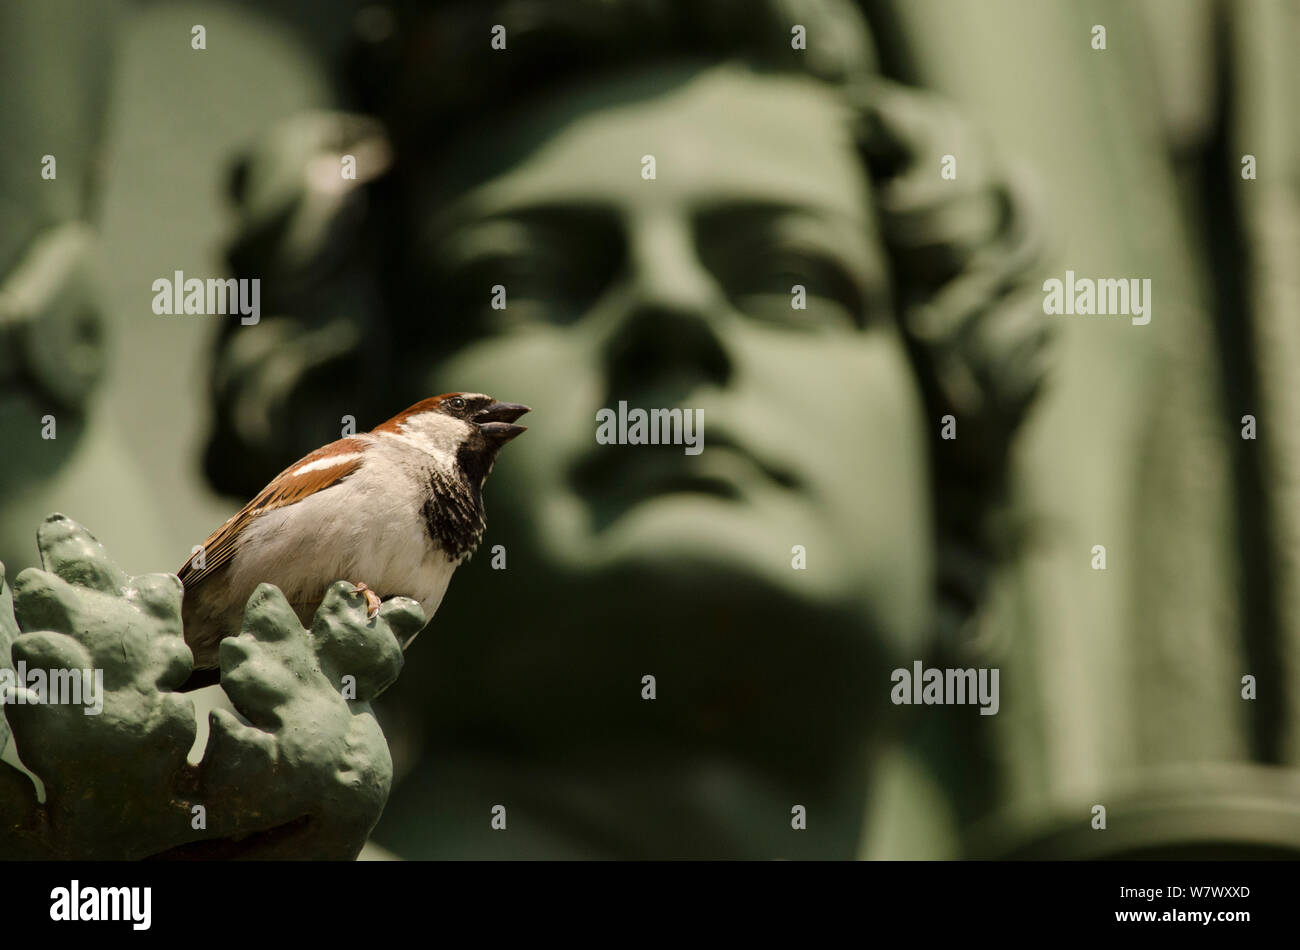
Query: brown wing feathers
[[287, 488]]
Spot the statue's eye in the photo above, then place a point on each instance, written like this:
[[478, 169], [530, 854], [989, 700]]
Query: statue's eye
[[457, 403]]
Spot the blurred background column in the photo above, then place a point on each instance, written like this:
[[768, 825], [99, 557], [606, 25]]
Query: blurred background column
[[1123, 687]]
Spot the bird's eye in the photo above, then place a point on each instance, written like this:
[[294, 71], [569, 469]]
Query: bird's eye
[[457, 403]]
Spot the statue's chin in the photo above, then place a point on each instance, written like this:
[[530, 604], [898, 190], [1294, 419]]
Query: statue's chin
[[691, 525], [697, 557], [702, 545], [707, 575]]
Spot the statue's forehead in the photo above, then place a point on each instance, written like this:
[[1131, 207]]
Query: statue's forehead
[[714, 134]]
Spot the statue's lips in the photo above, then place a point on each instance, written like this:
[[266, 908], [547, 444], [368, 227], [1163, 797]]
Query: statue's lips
[[632, 473]]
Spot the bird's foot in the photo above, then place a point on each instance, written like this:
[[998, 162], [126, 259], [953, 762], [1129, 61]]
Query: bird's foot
[[373, 602]]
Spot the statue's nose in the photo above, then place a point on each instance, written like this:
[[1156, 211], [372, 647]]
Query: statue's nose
[[672, 308]]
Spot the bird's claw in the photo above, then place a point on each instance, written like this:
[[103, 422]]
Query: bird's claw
[[373, 603]]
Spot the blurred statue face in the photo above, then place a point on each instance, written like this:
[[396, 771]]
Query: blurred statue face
[[676, 292]]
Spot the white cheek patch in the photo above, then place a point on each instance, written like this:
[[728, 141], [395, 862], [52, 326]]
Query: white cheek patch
[[435, 434], [321, 464]]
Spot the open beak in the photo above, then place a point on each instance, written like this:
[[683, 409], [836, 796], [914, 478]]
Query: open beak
[[496, 421]]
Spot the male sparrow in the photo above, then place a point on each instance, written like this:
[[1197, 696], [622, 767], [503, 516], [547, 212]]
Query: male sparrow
[[394, 510]]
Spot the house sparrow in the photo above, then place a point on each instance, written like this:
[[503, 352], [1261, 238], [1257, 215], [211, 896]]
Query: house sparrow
[[394, 510]]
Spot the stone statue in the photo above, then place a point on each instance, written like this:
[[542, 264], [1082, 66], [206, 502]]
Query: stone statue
[[649, 212], [51, 328], [753, 230], [776, 214], [295, 767]]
